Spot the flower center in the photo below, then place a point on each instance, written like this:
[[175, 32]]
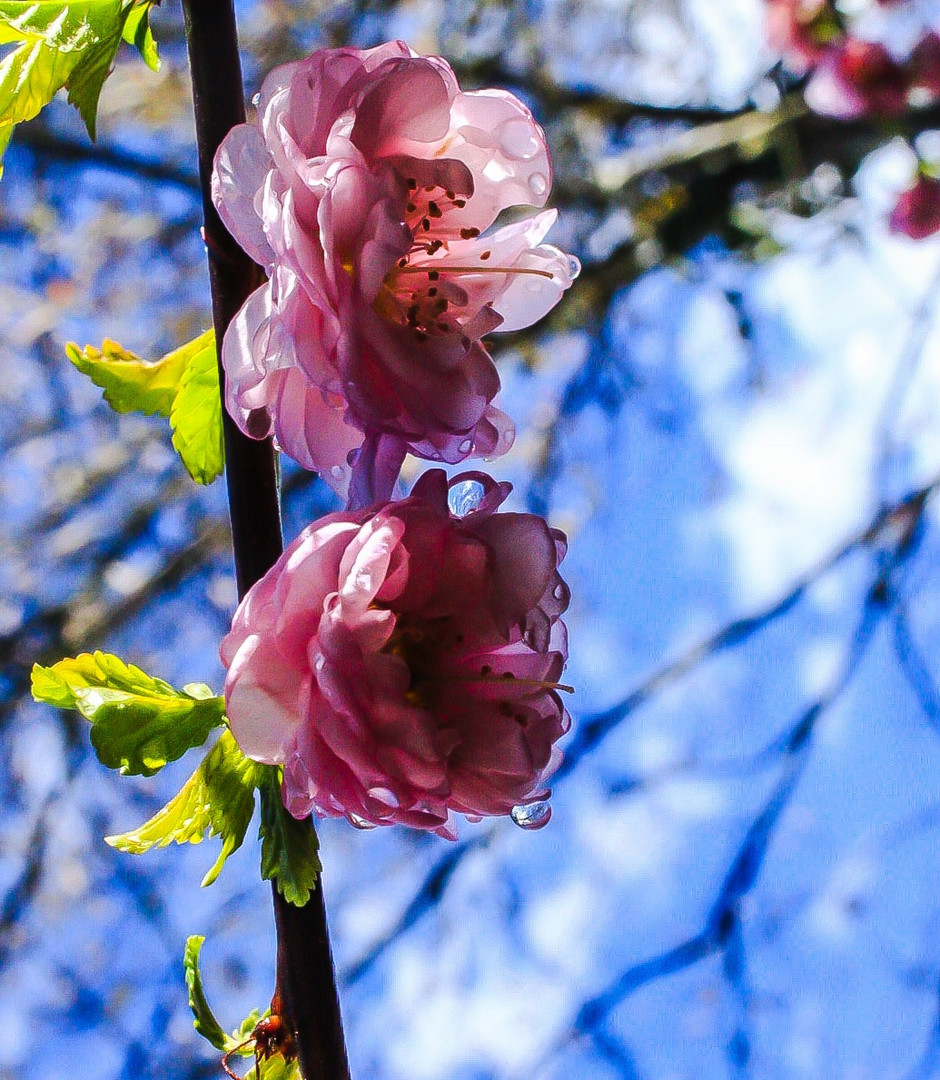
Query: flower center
[[422, 645], [428, 291]]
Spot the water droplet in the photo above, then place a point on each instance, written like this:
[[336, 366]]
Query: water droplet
[[256, 99], [337, 472], [574, 266], [559, 591], [533, 816], [466, 446], [385, 796], [360, 822], [518, 139], [538, 184], [465, 497]]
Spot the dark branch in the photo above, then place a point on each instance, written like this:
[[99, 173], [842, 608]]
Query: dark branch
[[305, 976]]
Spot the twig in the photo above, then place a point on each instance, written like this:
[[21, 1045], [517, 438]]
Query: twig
[[721, 931], [593, 729]]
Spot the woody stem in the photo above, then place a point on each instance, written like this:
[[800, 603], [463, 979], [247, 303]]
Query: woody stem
[[305, 975]]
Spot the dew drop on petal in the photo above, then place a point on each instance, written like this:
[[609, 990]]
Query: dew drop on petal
[[337, 472], [518, 139], [361, 823], [574, 266], [385, 796], [466, 446], [533, 816], [465, 497], [538, 185], [256, 99]]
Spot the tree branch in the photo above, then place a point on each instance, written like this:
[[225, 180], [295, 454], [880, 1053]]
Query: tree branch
[[305, 977]]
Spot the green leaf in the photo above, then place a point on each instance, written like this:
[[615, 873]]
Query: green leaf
[[183, 386], [240, 1042], [131, 384], [288, 847], [64, 43], [277, 1068], [137, 33], [88, 77], [5, 133], [196, 416], [138, 723], [218, 800], [204, 1020]]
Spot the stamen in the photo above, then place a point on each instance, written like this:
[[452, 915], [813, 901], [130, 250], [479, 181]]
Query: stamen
[[447, 268], [506, 678]]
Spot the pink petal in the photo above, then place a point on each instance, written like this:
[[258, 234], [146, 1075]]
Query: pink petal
[[263, 697], [242, 164]]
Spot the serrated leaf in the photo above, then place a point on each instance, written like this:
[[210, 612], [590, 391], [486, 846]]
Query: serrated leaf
[[217, 800], [88, 77], [196, 415], [131, 384], [182, 386], [64, 43], [139, 723], [289, 848], [204, 1020], [137, 33]]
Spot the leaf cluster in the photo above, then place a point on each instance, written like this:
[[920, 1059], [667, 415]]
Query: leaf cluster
[[140, 723], [68, 44]]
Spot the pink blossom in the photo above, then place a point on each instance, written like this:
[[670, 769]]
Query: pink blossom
[[803, 30], [402, 661], [363, 190], [917, 213], [860, 78], [924, 68]]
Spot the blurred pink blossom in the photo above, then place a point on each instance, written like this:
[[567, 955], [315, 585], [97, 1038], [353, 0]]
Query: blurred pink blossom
[[924, 68], [402, 662], [917, 213], [803, 30], [363, 190], [860, 78]]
